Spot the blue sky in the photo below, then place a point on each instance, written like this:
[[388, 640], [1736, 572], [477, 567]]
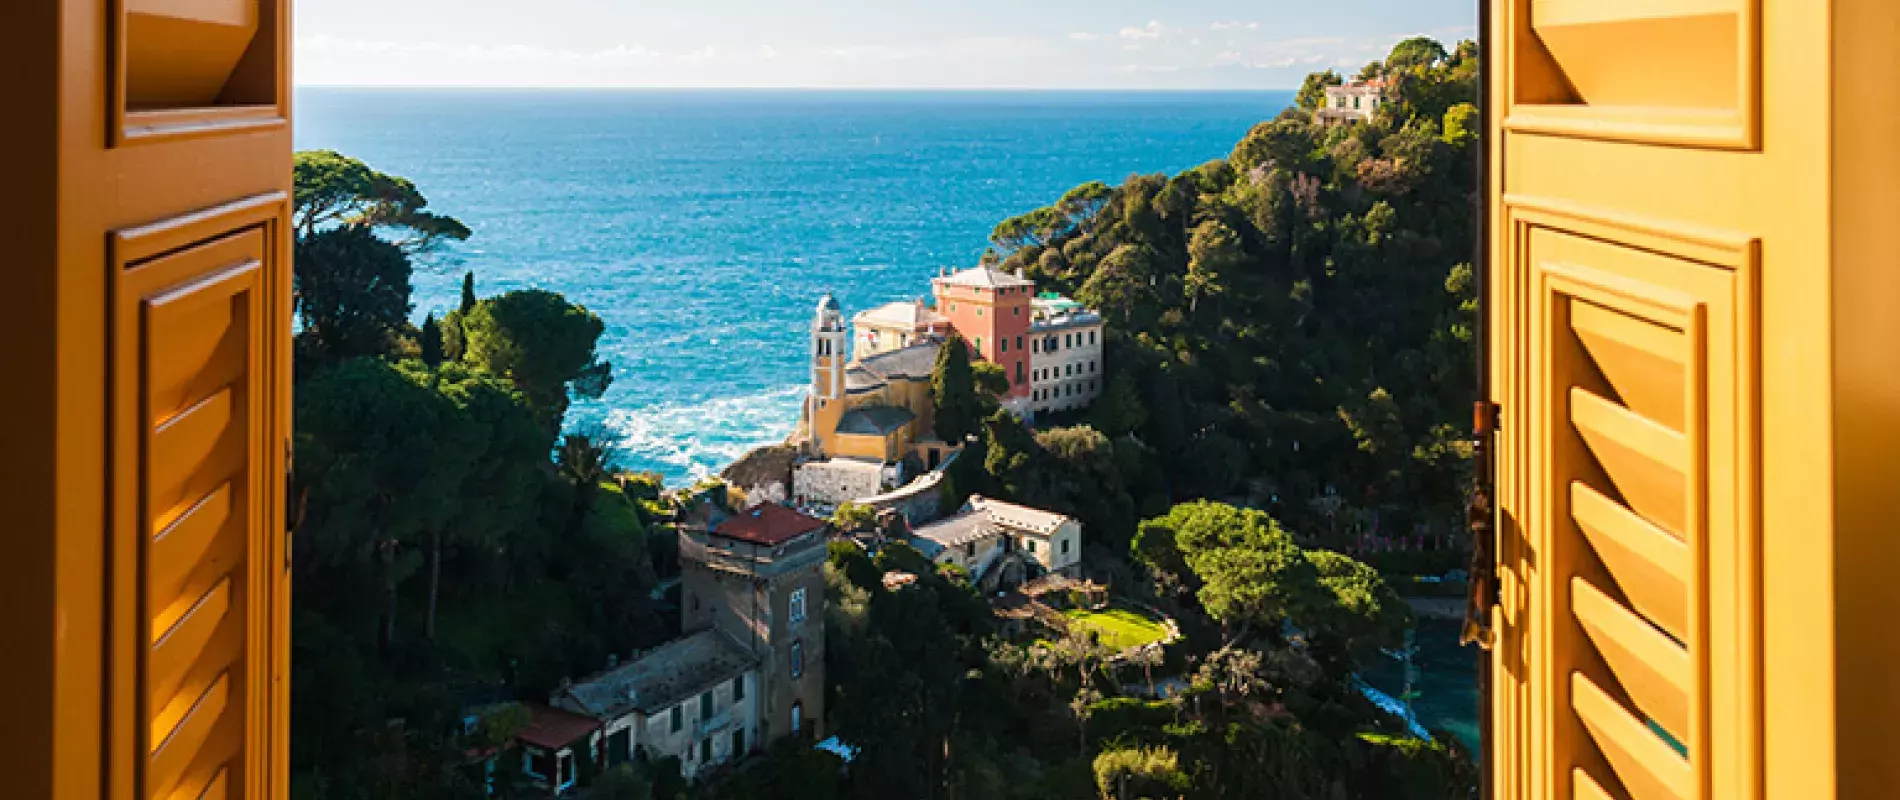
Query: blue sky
[[1097, 44]]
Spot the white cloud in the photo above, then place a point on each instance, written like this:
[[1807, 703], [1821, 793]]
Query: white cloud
[[1152, 30], [1081, 36], [1234, 26]]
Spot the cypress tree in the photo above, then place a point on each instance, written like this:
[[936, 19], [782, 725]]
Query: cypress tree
[[432, 342], [953, 388], [468, 293]]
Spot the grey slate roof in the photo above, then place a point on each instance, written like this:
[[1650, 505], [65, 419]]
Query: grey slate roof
[[915, 362], [875, 420], [986, 277], [953, 531], [661, 678]]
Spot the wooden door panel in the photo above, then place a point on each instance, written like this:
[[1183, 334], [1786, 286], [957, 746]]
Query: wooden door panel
[[194, 443]]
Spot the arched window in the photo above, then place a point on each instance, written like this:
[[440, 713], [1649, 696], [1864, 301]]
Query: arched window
[[798, 658], [798, 716]]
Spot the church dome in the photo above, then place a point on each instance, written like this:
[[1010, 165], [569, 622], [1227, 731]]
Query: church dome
[[829, 315]]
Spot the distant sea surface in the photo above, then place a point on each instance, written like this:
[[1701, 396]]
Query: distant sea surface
[[702, 226]]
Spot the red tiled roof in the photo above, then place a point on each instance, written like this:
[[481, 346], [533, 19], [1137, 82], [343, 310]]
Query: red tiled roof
[[768, 524], [553, 728]]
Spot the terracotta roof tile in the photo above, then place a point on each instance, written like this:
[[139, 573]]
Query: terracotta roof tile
[[553, 728], [768, 524]]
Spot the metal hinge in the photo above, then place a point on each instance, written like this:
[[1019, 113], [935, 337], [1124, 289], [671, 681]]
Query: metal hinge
[[1481, 519]]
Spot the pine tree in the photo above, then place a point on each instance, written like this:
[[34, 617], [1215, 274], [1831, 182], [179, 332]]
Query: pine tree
[[432, 342]]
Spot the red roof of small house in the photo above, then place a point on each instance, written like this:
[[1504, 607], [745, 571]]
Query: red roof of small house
[[768, 524], [553, 728]]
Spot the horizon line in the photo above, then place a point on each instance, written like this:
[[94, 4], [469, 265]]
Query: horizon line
[[676, 88]]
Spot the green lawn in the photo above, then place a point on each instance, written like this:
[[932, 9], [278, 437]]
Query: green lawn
[[1118, 627]]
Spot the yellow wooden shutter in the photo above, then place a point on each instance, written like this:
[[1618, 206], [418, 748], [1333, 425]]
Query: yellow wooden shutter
[[148, 323], [1695, 387], [193, 442]]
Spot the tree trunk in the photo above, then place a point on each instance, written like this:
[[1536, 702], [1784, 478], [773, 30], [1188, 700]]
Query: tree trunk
[[435, 582], [389, 589]]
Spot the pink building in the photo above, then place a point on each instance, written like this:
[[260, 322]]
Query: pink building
[[991, 309]]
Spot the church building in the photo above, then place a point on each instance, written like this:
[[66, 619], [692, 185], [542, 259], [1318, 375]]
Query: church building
[[870, 409]]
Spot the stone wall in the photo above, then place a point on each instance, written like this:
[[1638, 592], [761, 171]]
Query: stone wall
[[917, 500], [835, 482]]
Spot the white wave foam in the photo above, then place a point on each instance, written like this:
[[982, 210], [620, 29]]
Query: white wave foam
[[688, 441]]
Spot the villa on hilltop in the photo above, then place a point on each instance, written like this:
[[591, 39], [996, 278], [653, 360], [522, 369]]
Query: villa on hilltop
[[1003, 544], [1352, 102], [870, 409]]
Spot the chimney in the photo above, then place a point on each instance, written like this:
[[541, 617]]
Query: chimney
[[1019, 274]]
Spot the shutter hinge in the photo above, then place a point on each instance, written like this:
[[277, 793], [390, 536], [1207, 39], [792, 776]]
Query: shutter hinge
[[1481, 519]]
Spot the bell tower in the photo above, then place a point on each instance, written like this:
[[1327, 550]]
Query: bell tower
[[828, 338], [825, 402]]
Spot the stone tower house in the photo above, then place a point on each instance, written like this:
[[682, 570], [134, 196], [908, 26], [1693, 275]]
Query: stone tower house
[[758, 575]]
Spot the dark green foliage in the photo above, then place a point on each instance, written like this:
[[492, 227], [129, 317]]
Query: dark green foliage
[[468, 293], [1418, 51], [431, 343], [444, 561], [1407, 768], [1118, 410], [1313, 91], [953, 391], [1293, 318], [332, 189], [351, 292], [1357, 612], [543, 343], [992, 381]]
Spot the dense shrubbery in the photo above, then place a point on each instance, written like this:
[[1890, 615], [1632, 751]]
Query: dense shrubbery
[[444, 560], [1294, 321]]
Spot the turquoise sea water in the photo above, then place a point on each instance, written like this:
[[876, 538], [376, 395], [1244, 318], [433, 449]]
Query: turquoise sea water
[[702, 226], [1444, 684]]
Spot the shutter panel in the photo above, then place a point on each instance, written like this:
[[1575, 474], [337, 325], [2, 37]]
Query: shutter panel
[[194, 568], [1652, 166]]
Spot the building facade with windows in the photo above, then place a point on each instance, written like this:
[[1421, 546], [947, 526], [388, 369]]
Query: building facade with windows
[[1003, 544], [895, 326], [991, 309], [1356, 101], [757, 578], [870, 406], [694, 698], [748, 671], [1065, 355]]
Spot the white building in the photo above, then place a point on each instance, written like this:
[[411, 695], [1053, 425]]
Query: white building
[[1353, 102], [1065, 355], [695, 699], [988, 534], [895, 326]]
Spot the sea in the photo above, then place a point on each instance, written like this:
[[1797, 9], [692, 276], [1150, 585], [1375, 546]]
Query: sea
[[703, 226]]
